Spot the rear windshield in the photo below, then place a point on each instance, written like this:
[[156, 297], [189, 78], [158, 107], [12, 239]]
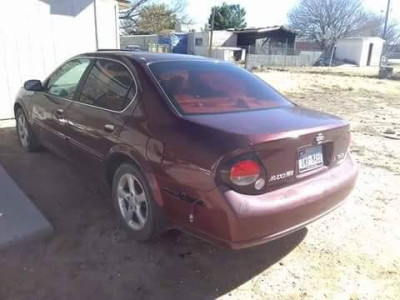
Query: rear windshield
[[198, 87]]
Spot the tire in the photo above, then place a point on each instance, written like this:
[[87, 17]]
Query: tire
[[133, 201], [26, 137]]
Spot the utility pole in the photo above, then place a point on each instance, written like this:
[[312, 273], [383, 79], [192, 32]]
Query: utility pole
[[212, 32], [96, 33], [382, 66], [386, 20]]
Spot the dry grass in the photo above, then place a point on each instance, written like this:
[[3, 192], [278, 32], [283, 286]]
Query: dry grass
[[343, 71]]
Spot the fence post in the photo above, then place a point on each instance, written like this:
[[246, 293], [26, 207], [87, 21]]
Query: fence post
[[333, 51], [286, 49]]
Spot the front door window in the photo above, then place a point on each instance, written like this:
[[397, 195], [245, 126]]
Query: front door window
[[64, 82]]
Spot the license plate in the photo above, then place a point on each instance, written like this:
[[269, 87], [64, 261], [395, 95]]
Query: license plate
[[310, 158]]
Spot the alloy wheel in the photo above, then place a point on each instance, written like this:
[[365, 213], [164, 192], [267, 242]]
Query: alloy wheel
[[132, 201], [23, 131]]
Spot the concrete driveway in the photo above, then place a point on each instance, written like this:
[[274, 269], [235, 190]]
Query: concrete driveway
[[89, 257]]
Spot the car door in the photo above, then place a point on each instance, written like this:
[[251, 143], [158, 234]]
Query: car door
[[98, 115], [49, 106]]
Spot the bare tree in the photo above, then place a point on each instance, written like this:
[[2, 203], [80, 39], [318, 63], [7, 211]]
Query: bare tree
[[129, 18], [373, 26], [132, 19], [393, 33], [326, 21], [134, 10]]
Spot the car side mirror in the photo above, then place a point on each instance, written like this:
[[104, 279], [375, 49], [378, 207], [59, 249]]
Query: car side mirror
[[33, 85]]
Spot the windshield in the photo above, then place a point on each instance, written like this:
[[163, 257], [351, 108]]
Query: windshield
[[200, 87]]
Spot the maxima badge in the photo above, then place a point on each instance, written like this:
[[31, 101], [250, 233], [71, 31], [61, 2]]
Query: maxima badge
[[319, 138]]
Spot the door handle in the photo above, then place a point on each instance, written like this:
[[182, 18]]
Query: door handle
[[109, 128]]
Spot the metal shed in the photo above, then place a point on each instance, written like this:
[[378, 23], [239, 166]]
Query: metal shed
[[265, 39], [362, 51]]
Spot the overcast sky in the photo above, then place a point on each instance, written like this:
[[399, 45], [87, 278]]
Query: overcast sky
[[267, 12]]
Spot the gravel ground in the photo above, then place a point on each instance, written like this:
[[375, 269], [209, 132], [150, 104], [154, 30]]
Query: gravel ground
[[352, 253]]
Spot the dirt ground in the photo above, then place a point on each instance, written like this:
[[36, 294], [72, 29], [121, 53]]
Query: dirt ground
[[353, 253]]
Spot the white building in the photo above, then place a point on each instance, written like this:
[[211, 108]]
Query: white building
[[224, 45], [363, 51], [38, 35]]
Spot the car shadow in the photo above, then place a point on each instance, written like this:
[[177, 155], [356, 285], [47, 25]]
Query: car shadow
[[90, 257]]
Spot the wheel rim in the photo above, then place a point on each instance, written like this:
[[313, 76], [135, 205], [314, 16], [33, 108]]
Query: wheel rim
[[23, 132], [132, 201]]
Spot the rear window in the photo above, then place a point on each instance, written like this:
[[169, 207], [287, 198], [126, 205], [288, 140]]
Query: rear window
[[197, 87]]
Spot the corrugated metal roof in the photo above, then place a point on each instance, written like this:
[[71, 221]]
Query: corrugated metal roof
[[260, 29]]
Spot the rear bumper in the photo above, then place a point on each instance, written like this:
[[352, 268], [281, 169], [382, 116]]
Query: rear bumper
[[258, 219]]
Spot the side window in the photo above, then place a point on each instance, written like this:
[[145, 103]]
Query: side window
[[64, 82], [199, 41], [109, 85]]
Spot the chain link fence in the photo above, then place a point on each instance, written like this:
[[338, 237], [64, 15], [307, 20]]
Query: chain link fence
[[260, 57]]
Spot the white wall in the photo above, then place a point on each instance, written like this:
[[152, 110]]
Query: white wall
[[221, 38], [376, 51], [107, 24], [349, 50], [201, 51], [198, 50], [38, 35], [357, 49], [224, 38]]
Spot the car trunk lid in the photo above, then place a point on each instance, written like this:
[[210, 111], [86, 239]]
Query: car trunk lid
[[289, 159], [282, 136]]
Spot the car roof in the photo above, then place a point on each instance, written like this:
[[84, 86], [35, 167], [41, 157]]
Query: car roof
[[144, 57]]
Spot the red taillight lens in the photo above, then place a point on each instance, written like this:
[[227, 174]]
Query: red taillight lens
[[244, 172]]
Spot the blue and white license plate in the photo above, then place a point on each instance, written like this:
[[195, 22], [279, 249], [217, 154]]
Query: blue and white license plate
[[310, 158]]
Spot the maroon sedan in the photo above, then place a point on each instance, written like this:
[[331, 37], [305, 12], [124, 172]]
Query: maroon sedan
[[190, 143]]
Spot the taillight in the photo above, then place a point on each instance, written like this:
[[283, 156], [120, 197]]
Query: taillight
[[244, 172]]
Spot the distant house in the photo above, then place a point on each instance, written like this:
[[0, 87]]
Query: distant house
[[362, 51], [38, 35], [266, 40], [224, 44], [232, 44]]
